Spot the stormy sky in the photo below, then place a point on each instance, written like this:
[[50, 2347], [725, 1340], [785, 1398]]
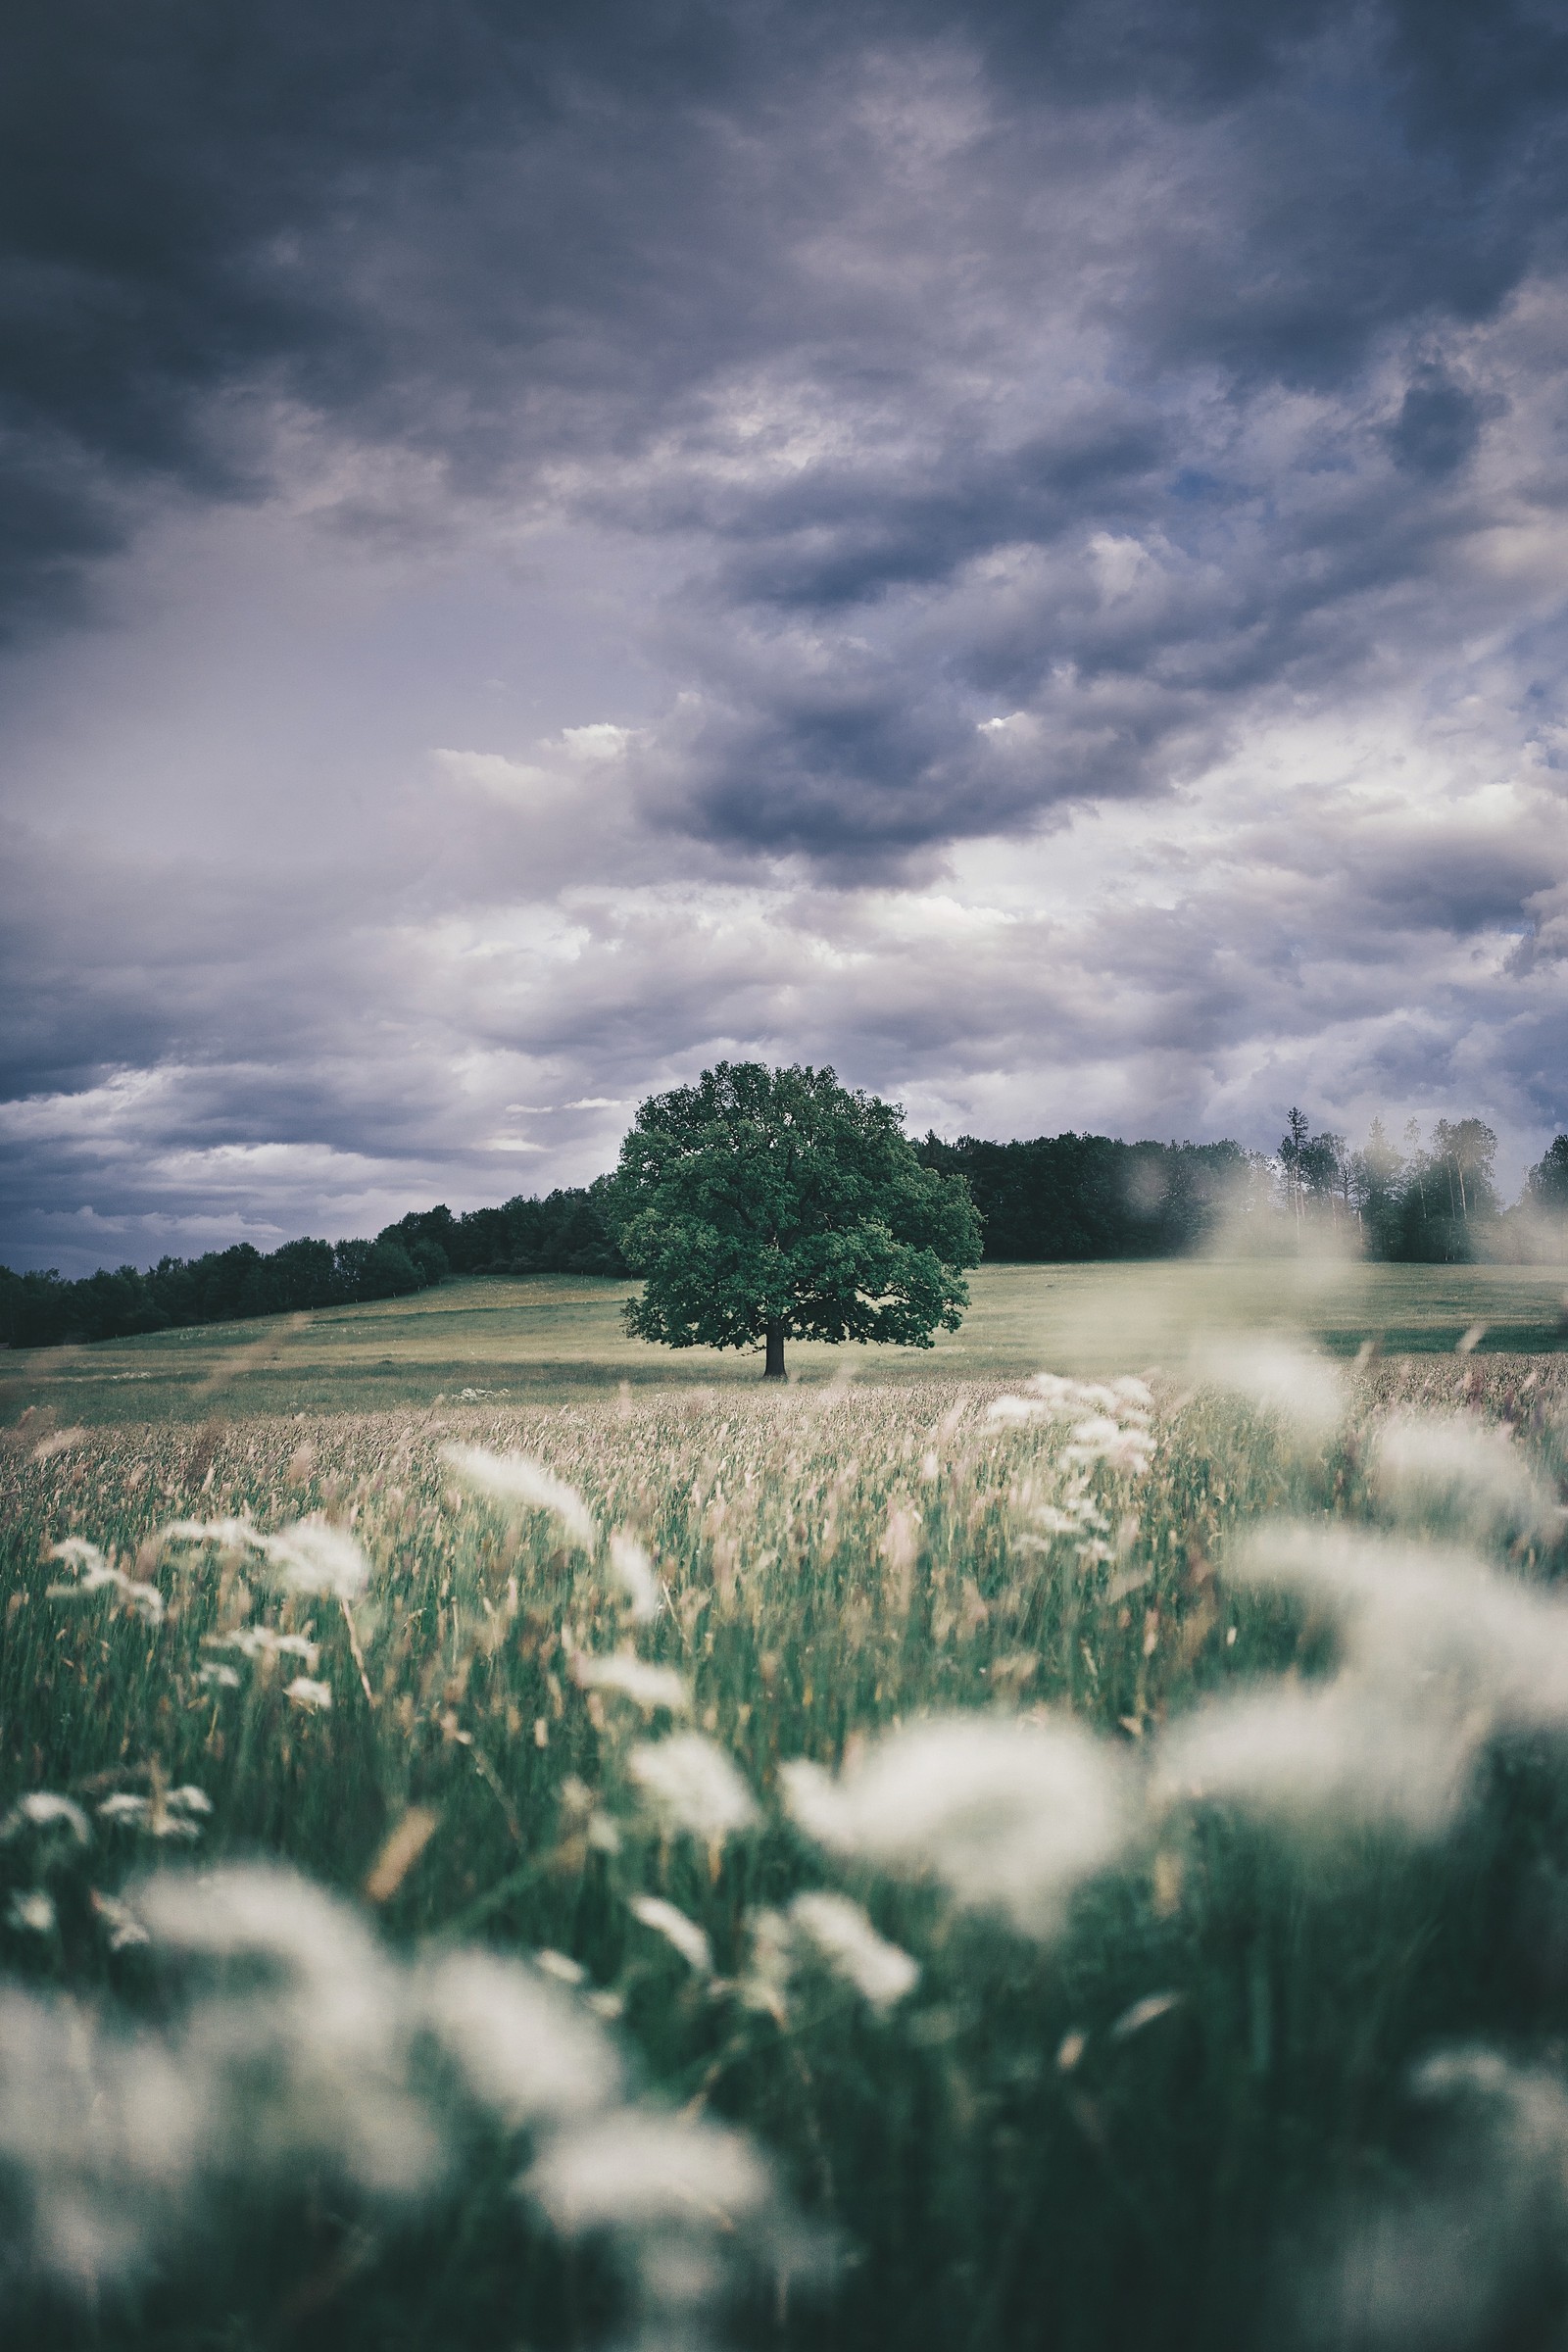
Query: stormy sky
[[1019, 550]]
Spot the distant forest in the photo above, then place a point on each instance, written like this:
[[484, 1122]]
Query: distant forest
[[1059, 1197]]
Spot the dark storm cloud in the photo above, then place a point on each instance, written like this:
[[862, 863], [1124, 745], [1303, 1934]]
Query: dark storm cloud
[[195, 199], [1027, 420], [505, 230], [1438, 426]]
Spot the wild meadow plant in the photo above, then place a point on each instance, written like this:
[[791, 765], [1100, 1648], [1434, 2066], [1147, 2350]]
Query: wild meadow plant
[[856, 1866]]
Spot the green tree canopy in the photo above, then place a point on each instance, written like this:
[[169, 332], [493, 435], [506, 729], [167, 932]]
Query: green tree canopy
[[764, 1204], [1546, 1185]]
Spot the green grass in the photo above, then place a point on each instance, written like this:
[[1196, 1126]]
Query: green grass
[[986, 2188], [547, 1335]]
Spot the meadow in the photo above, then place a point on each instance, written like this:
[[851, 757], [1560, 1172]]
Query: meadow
[[932, 1857], [546, 1335]]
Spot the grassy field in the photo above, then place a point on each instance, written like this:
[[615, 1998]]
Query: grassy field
[[865, 1865], [550, 1333]]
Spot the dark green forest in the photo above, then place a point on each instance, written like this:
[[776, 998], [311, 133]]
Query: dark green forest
[[1055, 1198], [563, 1233]]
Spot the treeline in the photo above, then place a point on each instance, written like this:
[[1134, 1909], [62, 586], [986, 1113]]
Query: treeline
[[564, 1232], [1429, 1203], [1058, 1196], [1088, 1196]]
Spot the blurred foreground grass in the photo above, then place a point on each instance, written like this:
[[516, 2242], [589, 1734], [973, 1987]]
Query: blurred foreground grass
[[1131, 2125], [547, 1335]]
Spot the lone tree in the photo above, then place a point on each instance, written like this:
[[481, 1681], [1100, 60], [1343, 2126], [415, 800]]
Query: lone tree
[[764, 1204]]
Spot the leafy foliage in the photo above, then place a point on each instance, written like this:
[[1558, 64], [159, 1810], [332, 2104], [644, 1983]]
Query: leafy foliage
[[769, 1205], [1088, 1196], [1546, 1185]]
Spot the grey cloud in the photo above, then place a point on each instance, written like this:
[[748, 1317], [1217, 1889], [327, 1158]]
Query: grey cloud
[[407, 216], [1438, 426], [1183, 1019]]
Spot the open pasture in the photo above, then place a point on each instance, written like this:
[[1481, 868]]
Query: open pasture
[[531, 1338]]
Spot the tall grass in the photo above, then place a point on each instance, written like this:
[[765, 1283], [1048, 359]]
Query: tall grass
[[977, 1884]]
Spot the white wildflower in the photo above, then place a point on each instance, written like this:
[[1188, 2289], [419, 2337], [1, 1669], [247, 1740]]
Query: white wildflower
[[85, 1557], [1111, 1420], [124, 1929], [1011, 1815], [1055, 1398], [263, 1642], [1054, 1393], [123, 1806], [634, 1572], [1042, 1535], [842, 1935], [45, 1811], [526, 2049], [309, 2063], [1438, 1653], [32, 1913], [1073, 1512], [1436, 1624], [173, 1815], [227, 1535], [137, 1813], [1302, 1387], [648, 2171], [1101, 1439], [96, 1575], [310, 1554], [676, 1929], [60, 1441], [766, 1982], [1142, 2013], [1013, 1412], [648, 1686], [516, 1484], [315, 1697], [692, 1784], [1452, 1473], [1335, 1755], [257, 1908], [220, 1678], [100, 2132], [314, 1556]]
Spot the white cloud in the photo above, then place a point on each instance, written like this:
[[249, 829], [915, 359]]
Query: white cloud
[[595, 743]]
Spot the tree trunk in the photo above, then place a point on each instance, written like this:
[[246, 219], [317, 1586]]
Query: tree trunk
[[773, 1368]]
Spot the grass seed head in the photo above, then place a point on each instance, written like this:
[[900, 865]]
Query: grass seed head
[[525, 2049], [840, 1934], [683, 1933], [1011, 1815], [646, 1684], [634, 1571], [516, 1485], [1452, 1475], [691, 1785]]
